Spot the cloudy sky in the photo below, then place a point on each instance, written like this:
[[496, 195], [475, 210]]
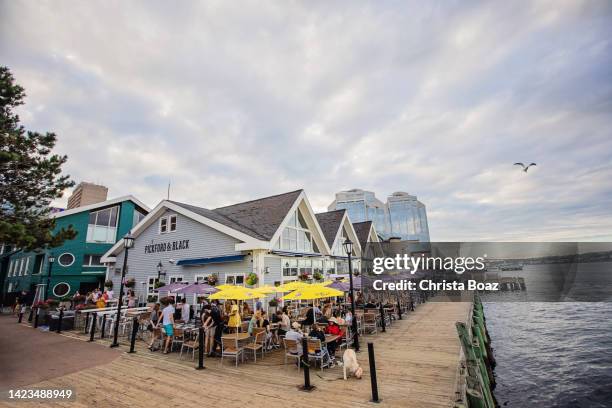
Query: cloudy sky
[[237, 100]]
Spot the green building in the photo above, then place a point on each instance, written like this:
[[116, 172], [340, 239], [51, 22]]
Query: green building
[[76, 264]]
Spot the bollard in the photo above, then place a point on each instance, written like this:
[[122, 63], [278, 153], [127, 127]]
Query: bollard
[[86, 322], [134, 333], [103, 326], [373, 373], [382, 318], [306, 387], [399, 310], [200, 349], [36, 319], [93, 326], [59, 320], [20, 316]]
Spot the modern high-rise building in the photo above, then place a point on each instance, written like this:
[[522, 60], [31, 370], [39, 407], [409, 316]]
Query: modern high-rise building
[[402, 216], [87, 193]]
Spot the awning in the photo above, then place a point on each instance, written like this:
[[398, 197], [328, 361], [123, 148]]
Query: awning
[[287, 253], [214, 260]]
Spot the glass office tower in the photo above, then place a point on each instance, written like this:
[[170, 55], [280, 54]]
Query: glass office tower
[[402, 216]]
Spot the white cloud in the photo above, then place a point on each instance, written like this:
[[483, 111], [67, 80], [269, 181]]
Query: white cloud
[[232, 101]]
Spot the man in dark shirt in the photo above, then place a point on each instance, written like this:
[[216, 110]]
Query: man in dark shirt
[[215, 313]]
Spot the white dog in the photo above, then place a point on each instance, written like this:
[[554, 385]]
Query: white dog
[[350, 364]]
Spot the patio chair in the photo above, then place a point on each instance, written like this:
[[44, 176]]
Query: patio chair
[[369, 322], [230, 348], [178, 338], [261, 339], [193, 344], [293, 350], [256, 344], [318, 352]]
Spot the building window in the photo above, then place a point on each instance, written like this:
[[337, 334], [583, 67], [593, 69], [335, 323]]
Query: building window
[[177, 279], [235, 279], [65, 259], [172, 223], [138, 216], [10, 269], [27, 266], [10, 287], [317, 267], [163, 225], [296, 236], [151, 281], [61, 289], [290, 267], [39, 260], [21, 263], [92, 260], [305, 267], [102, 225], [330, 266]]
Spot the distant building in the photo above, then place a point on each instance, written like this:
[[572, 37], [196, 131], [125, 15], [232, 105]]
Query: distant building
[[87, 193], [402, 216]]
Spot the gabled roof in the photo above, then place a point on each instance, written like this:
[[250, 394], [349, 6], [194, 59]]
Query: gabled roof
[[259, 218], [101, 205], [362, 229], [330, 223]]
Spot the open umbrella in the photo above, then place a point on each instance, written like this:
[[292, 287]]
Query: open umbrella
[[293, 285], [267, 289], [225, 286], [313, 292], [237, 293], [197, 289]]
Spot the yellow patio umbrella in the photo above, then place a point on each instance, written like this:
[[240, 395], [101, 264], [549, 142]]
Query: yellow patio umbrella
[[266, 289], [293, 285], [226, 286], [313, 292], [237, 293], [325, 283]]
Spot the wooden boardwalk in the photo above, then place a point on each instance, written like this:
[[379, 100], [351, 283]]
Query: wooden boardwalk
[[416, 360]]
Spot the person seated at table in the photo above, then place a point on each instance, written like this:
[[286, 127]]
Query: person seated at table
[[310, 317], [327, 310], [317, 333], [254, 322], [334, 330], [271, 336], [185, 311], [294, 333], [235, 321], [339, 319], [246, 310]]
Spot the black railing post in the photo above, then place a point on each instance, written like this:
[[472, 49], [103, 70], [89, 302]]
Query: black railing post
[[94, 316], [20, 316], [31, 314], [103, 328], [36, 318], [399, 309], [382, 318], [134, 333], [200, 349], [86, 322], [59, 320], [306, 364], [373, 373]]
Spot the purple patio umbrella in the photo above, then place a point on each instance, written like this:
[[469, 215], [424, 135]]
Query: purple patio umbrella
[[172, 287], [343, 286], [197, 289]]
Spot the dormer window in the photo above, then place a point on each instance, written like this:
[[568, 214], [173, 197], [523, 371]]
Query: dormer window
[[296, 236], [167, 224]]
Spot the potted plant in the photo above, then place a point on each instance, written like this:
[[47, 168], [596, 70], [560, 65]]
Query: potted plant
[[159, 284], [318, 276], [130, 283], [252, 279], [212, 280], [52, 303], [108, 284], [304, 276], [273, 302]]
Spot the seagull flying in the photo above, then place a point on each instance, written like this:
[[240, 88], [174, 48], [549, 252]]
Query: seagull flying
[[525, 168]]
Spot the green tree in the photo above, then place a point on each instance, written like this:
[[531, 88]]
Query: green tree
[[30, 176]]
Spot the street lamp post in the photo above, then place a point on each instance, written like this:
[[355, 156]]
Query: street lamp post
[[128, 242], [50, 259], [348, 247]]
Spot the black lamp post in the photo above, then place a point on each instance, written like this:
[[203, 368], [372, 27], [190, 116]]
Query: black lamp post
[[128, 242], [50, 259], [348, 247]]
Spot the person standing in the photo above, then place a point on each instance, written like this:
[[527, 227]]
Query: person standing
[[235, 321], [185, 311], [217, 318], [168, 323], [153, 326], [131, 299], [208, 325]]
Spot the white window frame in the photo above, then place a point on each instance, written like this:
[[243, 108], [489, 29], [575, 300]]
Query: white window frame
[[27, 265], [61, 283], [89, 265], [70, 264], [182, 277], [280, 244], [154, 292], [172, 218], [235, 275], [196, 277], [10, 268], [10, 287], [115, 227], [160, 225], [21, 266]]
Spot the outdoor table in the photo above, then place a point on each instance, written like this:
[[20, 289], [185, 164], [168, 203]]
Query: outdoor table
[[331, 338], [239, 336]]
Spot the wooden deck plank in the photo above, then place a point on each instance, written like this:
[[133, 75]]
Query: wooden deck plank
[[416, 360]]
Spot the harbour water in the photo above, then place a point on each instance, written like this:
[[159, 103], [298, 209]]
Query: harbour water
[[551, 354]]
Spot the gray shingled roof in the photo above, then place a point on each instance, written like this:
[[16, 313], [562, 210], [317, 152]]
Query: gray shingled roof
[[330, 223], [257, 218], [362, 229]]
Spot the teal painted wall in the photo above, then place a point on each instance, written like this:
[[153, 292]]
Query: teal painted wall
[[75, 273]]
